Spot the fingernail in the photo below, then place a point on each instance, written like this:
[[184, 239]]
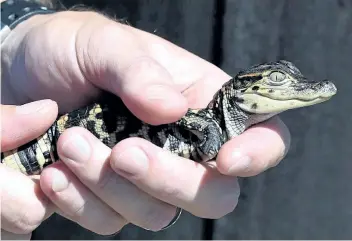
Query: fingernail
[[242, 162], [157, 92], [132, 162], [33, 107], [59, 182], [76, 148]]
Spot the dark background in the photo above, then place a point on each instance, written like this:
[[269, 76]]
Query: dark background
[[309, 195]]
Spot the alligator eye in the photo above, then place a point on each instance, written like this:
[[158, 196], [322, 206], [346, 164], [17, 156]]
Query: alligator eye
[[277, 76]]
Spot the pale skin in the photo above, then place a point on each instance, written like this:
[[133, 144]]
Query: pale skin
[[65, 60]]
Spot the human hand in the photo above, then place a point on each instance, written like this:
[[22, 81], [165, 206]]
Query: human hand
[[157, 81]]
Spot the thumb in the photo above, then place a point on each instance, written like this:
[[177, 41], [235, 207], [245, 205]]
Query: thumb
[[21, 124], [147, 90], [130, 72]]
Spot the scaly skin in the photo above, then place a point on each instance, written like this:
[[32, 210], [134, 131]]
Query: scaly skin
[[252, 96]]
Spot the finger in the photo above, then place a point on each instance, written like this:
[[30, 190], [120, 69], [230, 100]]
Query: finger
[[88, 158], [23, 205], [257, 149], [199, 189], [146, 88], [21, 124], [77, 202]]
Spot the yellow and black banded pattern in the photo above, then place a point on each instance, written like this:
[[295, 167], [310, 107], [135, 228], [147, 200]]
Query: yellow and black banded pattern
[[110, 121]]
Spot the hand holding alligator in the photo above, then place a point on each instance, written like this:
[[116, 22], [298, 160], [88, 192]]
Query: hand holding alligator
[[71, 58]]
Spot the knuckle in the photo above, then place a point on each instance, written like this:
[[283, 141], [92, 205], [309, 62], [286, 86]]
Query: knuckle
[[25, 223]]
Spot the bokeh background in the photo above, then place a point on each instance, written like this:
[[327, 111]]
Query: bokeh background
[[309, 195]]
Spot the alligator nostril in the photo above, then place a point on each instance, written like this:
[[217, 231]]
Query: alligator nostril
[[323, 83]]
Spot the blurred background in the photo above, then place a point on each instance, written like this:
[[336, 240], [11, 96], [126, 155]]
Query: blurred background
[[309, 195]]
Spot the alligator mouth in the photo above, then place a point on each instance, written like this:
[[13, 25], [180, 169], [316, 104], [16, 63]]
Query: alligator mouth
[[303, 97], [280, 99], [305, 92], [311, 91]]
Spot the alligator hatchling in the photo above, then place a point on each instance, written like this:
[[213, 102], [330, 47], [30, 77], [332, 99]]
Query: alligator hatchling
[[252, 96]]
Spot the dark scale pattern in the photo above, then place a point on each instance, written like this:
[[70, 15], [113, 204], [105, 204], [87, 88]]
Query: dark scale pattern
[[27, 157], [46, 154], [116, 122], [53, 137], [74, 117], [90, 125], [23, 158]]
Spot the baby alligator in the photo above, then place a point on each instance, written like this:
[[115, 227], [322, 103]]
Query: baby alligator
[[252, 96]]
